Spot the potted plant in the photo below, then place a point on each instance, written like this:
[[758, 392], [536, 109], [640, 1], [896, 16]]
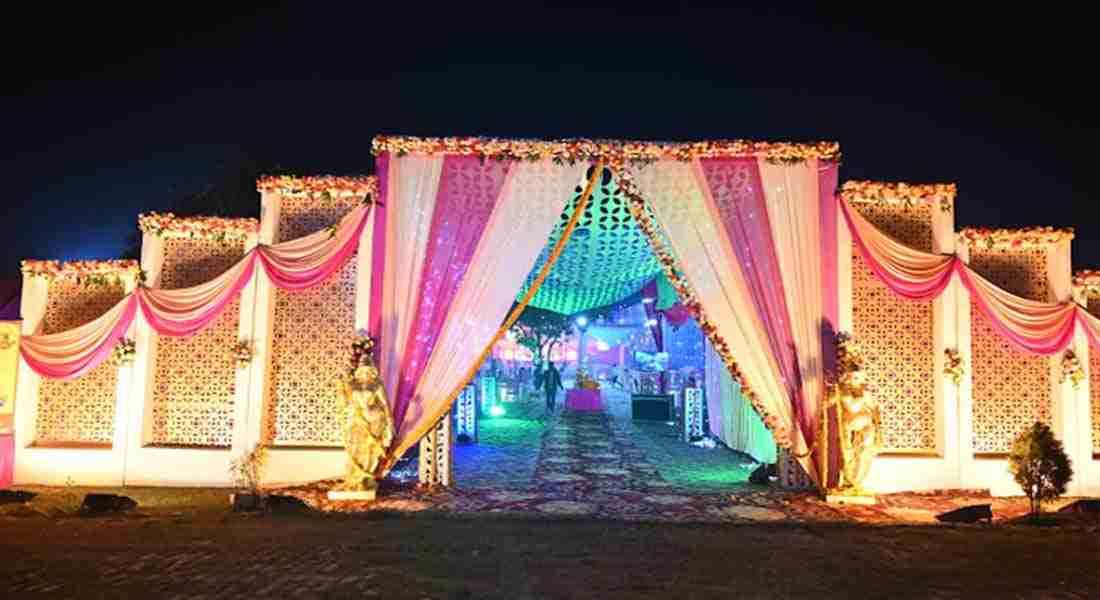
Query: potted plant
[[247, 472], [1040, 465]]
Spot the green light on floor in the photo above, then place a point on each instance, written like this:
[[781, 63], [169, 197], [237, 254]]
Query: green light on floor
[[496, 411]]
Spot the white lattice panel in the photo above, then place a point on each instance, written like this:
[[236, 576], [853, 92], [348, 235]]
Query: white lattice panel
[[311, 338], [81, 411], [194, 378], [1011, 389], [897, 336]]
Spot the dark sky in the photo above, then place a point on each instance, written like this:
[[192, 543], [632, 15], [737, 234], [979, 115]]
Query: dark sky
[[110, 112]]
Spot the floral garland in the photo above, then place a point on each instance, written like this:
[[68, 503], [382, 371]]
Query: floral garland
[[168, 225], [636, 204], [1030, 237], [322, 186], [953, 366], [574, 150], [1072, 369], [881, 192], [362, 348], [86, 272], [242, 353], [1087, 281], [123, 353]]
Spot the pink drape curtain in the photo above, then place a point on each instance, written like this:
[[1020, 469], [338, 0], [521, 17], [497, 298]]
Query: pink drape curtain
[[468, 191], [736, 199], [293, 265]]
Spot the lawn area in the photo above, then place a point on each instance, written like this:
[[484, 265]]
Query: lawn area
[[186, 543]]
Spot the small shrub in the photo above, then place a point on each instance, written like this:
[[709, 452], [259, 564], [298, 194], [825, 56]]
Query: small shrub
[[1040, 465], [247, 470]]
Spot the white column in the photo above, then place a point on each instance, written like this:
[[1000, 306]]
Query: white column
[[263, 315], [1069, 405], [1086, 468], [140, 411]]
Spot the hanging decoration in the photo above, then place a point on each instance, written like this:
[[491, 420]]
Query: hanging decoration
[[953, 366], [881, 192], [242, 353], [124, 352], [1072, 370]]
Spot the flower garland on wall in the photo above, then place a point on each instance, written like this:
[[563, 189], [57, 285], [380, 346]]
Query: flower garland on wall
[[571, 151], [85, 272], [953, 366], [242, 353], [880, 192], [323, 187], [1072, 369], [123, 353], [1030, 237], [168, 225], [1088, 282]]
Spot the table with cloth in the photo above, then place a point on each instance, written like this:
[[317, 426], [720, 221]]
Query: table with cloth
[[582, 399]]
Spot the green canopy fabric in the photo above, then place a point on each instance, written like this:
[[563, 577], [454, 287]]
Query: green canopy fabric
[[607, 259]]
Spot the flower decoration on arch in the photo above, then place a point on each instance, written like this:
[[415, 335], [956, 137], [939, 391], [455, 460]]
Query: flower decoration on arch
[[1029, 237]]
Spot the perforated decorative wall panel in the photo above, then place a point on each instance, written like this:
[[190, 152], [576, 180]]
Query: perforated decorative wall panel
[[606, 260], [311, 338], [81, 411], [897, 337], [194, 378], [1011, 389], [1094, 381]]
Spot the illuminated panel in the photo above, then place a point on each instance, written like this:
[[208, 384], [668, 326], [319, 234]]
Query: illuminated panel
[[81, 411], [194, 378], [312, 335], [897, 336], [1011, 389]]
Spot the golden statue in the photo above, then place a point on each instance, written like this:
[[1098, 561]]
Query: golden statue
[[858, 418], [368, 426]]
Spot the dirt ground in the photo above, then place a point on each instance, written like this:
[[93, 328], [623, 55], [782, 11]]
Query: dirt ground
[[187, 544]]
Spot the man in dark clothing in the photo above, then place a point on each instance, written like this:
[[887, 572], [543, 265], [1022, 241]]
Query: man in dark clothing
[[551, 383]]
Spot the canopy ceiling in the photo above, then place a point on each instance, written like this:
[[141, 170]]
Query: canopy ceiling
[[607, 258]]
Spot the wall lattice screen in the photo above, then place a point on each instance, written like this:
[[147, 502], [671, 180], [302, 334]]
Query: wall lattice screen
[[1011, 389], [1094, 382], [194, 378], [81, 411], [311, 338], [897, 336]]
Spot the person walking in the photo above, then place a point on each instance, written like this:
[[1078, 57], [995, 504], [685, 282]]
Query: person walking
[[551, 383]]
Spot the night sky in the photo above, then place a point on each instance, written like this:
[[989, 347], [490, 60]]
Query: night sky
[[111, 113]]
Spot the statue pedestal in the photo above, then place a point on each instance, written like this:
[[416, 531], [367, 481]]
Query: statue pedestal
[[353, 496], [849, 498]]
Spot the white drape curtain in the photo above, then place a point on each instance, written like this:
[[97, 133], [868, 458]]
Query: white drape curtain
[[410, 202], [530, 205], [791, 196], [673, 190], [732, 419]]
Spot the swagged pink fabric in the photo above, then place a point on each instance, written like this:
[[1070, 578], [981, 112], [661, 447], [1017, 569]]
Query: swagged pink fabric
[[293, 265], [70, 354], [468, 191]]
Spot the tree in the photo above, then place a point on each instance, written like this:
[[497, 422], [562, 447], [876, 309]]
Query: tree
[[1040, 465], [537, 329]]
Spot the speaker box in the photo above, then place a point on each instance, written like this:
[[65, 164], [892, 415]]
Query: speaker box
[[652, 407]]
